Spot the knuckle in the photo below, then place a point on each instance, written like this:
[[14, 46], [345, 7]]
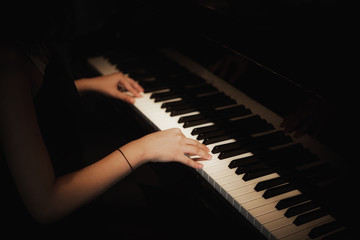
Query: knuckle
[[198, 151]]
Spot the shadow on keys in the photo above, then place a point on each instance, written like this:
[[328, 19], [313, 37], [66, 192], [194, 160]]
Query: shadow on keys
[[329, 119]]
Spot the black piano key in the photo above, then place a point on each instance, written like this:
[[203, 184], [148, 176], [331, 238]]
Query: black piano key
[[166, 96], [205, 105], [275, 191], [195, 123], [196, 98], [273, 139], [243, 161], [270, 183], [324, 229], [166, 104], [175, 113], [216, 139], [342, 234], [243, 121], [214, 116], [226, 130], [154, 88], [291, 201], [242, 142], [301, 208], [200, 106], [250, 175], [151, 84], [179, 104], [239, 129], [264, 141], [161, 75], [225, 113], [187, 90], [168, 78], [212, 100], [276, 160], [235, 152], [199, 99], [250, 167], [230, 146], [310, 216], [192, 118], [235, 133]]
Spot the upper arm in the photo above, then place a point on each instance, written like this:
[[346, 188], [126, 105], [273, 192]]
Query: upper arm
[[20, 135]]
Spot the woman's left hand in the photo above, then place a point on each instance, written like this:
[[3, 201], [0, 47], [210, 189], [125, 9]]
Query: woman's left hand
[[117, 85]]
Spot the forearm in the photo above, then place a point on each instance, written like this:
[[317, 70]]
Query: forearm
[[83, 85], [76, 189]]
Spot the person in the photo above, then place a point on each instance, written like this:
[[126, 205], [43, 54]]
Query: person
[[38, 111]]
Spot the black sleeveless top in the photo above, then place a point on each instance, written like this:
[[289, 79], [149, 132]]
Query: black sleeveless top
[[57, 107]]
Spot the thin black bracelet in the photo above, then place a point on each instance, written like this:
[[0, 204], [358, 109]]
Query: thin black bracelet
[[126, 159]]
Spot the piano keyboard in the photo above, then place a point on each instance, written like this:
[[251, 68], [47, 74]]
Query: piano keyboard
[[249, 150]]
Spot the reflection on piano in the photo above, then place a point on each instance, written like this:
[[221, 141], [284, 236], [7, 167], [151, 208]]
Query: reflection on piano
[[274, 181], [287, 188]]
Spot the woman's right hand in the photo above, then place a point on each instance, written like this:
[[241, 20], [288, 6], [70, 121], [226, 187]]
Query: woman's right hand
[[171, 145]]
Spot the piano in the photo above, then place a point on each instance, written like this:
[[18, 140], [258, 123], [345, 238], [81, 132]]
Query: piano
[[285, 187]]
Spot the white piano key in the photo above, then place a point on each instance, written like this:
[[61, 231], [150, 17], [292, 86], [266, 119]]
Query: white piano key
[[253, 206], [212, 165], [225, 173], [242, 190], [241, 183], [227, 179], [273, 215]]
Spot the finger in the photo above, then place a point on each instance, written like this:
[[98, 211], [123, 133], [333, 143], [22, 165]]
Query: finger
[[133, 85], [125, 97], [197, 144], [137, 86], [132, 89], [189, 162], [197, 151]]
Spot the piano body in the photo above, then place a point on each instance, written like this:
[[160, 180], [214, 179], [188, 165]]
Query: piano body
[[285, 187]]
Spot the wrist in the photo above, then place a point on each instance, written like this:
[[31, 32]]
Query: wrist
[[82, 84], [134, 153]]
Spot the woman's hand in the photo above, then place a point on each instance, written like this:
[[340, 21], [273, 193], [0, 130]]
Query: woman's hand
[[116, 85], [170, 145]]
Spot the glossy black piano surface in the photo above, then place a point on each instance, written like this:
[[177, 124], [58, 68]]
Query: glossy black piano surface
[[283, 63]]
